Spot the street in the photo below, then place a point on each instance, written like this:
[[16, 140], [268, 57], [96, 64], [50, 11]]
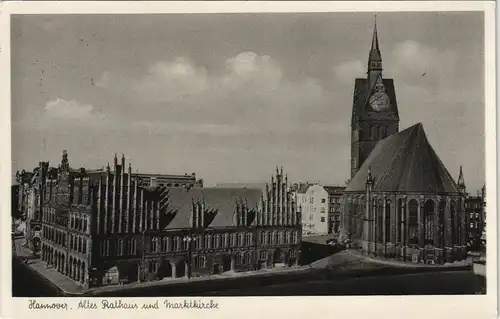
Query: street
[[456, 282]]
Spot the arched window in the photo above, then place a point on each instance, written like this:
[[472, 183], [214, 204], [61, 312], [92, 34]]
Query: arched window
[[208, 240], [225, 240], [132, 247], [263, 238], [287, 237], [441, 224], [177, 243], [263, 255], [154, 245], [202, 262], [85, 246], [215, 241], [429, 222], [166, 244], [248, 258], [276, 236], [280, 237], [379, 218], [103, 247], [240, 239], [413, 233], [454, 228], [119, 247], [197, 242], [294, 237], [233, 240], [400, 221], [387, 238]]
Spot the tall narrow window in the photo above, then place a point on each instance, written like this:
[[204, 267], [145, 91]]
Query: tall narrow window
[[388, 221], [413, 233], [208, 239], [429, 222], [197, 242], [233, 240], [177, 243], [154, 245]]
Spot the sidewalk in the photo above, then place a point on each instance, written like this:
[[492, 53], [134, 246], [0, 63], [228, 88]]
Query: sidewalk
[[209, 278], [57, 279], [406, 264]]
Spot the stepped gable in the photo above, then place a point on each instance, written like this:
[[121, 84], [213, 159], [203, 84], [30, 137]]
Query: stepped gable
[[405, 162], [221, 201]]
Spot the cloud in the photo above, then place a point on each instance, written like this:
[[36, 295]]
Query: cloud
[[349, 70], [410, 60], [70, 110], [250, 90]]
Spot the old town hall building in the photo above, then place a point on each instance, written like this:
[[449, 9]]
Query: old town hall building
[[104, 227], [401, 202]]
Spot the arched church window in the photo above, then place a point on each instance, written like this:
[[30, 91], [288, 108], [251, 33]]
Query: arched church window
[[413, 233], [388, 229], [429, 222], [379, 220], [400, 219], [440, 228], [454, 228]]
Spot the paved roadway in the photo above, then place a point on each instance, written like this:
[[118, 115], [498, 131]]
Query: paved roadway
[[453, 282]]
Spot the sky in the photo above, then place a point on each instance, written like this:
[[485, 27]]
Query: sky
[[231, 96]]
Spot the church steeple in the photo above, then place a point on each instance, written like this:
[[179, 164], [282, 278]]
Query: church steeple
[[375, 58]]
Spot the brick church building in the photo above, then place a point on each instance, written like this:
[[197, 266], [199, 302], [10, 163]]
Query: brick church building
[[401, 202]]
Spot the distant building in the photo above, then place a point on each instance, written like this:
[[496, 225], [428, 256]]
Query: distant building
[[103, 227], [312, 203], [334, 207], [474, 211], [14, 191], [170, 181]]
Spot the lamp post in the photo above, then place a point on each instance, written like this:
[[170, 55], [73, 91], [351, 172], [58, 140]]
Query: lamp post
[[188, 239]]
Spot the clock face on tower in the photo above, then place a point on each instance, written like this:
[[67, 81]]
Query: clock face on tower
[[379, 101]]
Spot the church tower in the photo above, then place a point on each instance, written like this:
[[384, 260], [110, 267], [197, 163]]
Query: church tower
[[374, 111]]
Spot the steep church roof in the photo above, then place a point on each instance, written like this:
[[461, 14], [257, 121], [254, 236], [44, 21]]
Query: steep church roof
[[404, 162]]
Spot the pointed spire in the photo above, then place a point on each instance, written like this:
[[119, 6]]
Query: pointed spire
[[375, 57], [375, 35], [461, 181], [369, 178]]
